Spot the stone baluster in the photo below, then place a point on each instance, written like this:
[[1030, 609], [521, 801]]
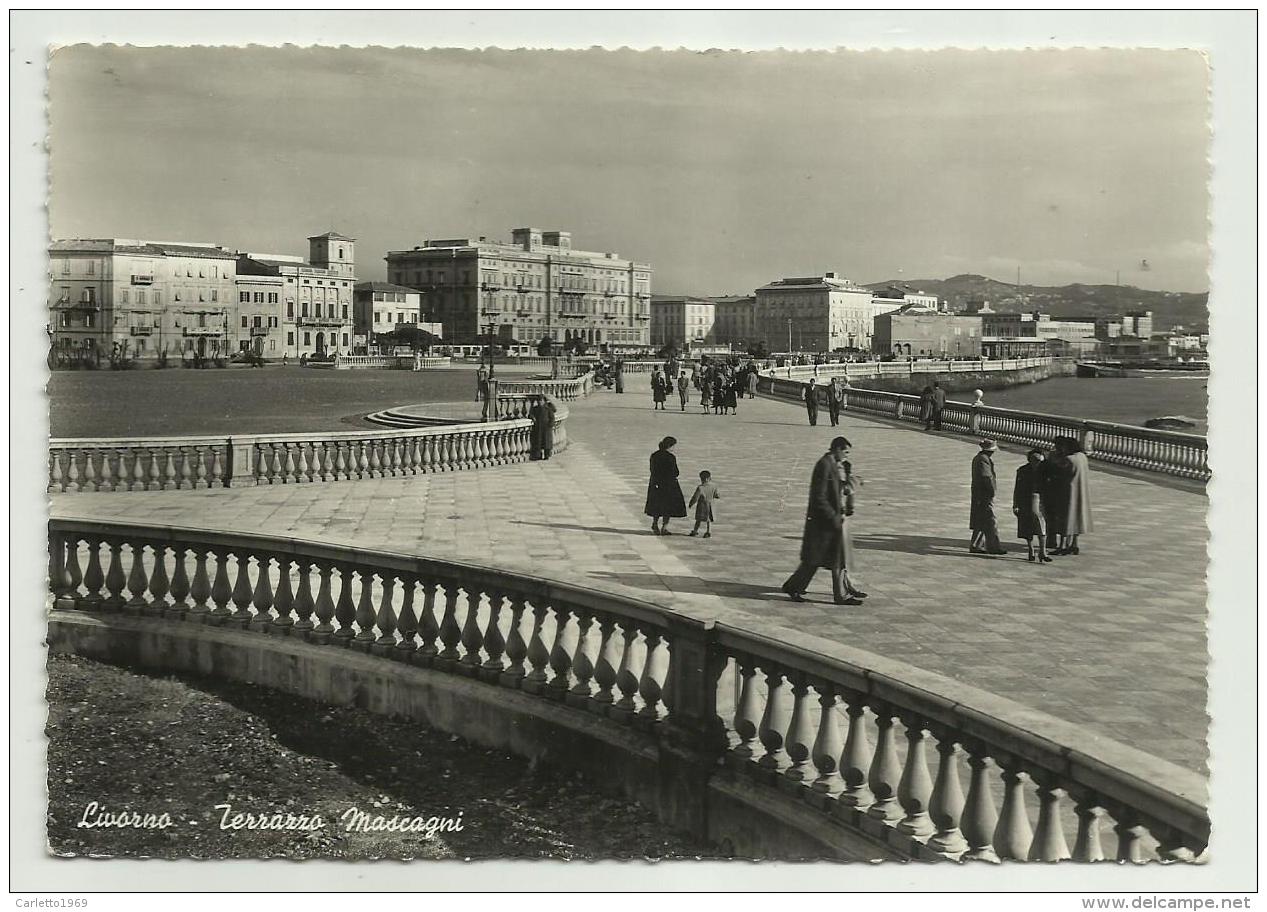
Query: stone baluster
[[384, 620], [184, 479], [561, 653], [159, 583], [516, 648], [200, 470], [945, 807], [626, 680], [221, 589], [262, 594], [915, 788], [411, 455], [56, 480], [169, 469], [855, 760], [361, 614], [774, 723], [323, 610], [1049, 837], [59, 578], [94, 578], [1086, 844], [407, 622], [979, 817], [1173, 847], [179, 587], [242, 591], [828, 745], [800, 734], [472, 637], [450, 632], [747, 718], [376, 465], [137, 580], [345, 607], [494, 643], [302, 470], [538, 656], [428, 626], [89, 480], [139, 475], [885, 771], [1012, 834], [283, 598], [106, 478], [582, 661], [305, 604], [427, 460], [200, 588], [341, 468], [606, 664], [217, 469], [289, 472], [1130, 838], [655, 669]]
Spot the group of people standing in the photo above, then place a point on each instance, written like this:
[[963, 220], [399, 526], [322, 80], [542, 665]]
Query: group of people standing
[[1051, 500], [836, 392], [720, 386]]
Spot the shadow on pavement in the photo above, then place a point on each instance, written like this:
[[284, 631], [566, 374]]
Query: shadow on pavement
[[695, 585], [916, 544], [575, 527]]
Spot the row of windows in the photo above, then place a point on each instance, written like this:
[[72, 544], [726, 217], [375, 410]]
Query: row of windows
[[258, 322], [570, 282], [401, 317], [256, 297]]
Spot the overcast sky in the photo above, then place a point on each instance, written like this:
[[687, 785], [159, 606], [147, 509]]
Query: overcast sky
[[723, 170]]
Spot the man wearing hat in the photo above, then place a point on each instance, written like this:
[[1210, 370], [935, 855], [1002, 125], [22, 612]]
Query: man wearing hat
[[985, 530]]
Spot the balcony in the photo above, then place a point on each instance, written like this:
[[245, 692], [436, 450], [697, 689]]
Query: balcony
[[259, 331], [334, 322], [142, 279], [202, 331], [141, 330]]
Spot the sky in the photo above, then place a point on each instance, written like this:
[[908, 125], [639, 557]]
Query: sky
[[723, 170]]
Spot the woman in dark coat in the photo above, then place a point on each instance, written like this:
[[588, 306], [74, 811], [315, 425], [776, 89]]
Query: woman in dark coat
[[664, 494], [542, 435], [733, 390], [1027, 505], [1056, 473], [659, 388]]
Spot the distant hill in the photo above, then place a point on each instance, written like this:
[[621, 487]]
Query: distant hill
[[1170, 308]]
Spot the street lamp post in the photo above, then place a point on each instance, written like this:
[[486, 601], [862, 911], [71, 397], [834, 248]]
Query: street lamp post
[[490, 316], [789, 334]]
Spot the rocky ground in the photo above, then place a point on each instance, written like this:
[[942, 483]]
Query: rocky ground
[[154, 746]]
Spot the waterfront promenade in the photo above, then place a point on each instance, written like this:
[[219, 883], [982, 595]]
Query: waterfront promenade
[[1113, 639]]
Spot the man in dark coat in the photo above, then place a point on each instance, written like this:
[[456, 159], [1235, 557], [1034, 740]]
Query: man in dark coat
[[542, 414], [835, 397], [810, 394], [985, 528], [938, 403], [823, 541]]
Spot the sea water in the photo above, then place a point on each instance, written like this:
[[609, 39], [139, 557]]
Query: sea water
[[1122, 400]]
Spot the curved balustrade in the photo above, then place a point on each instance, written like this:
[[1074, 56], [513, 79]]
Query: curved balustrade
[[871, 369], [1169, 452], [389, 362], [188, 463], [565, 390], [849, 742]]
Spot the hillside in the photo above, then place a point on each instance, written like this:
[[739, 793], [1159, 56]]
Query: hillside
[[1170, 308]]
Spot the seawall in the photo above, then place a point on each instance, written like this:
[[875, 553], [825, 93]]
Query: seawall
[[964, 381]]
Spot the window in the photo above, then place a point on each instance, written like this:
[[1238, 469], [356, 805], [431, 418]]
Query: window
[[65, 267], [89, 320], [307, 338], [340, 253], [215, 294], [92, 267], [290, 309], [345, 340], [65, 296], [189, 272], [272, 345], [157, 298], [215, 272], [244, 321], [244, 297], [201, 273], [304, 311], [140, 297], [123, 296], [257, 322], [90, 296], [259, 297], [63, 320], [272, 297], [202, 319], [376, 316], [345, 311]]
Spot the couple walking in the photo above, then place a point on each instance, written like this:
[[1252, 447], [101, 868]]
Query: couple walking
[[835, 399], [825, 541]]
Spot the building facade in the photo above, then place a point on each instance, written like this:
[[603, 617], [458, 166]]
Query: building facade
[[535, 287], [924, 334], [735, 320], [819, 313], [150, 299], [380, 307], [684, 320]]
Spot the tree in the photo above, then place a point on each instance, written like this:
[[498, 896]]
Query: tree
[[759, 349], [577, 346], [545, 348], [414, 337], [669, 350]]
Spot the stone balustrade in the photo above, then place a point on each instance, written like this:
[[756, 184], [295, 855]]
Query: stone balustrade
[[190, 463], [390, 362], [836, 741], [1168, 452], [564, 390], [857, 370]]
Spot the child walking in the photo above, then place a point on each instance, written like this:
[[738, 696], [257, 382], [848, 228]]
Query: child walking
[[702, 501]]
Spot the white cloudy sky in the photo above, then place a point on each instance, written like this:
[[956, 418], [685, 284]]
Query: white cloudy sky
[[723, 170]]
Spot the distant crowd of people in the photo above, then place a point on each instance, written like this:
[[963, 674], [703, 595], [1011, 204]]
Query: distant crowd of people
[[720, 385]]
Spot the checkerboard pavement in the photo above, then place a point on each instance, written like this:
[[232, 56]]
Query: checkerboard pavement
[[1113, 639]]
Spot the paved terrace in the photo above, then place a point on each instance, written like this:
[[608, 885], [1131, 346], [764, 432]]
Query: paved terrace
[[1113, 639]]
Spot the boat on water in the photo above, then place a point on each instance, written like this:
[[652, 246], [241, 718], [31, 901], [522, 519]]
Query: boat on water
[[1138, 368]]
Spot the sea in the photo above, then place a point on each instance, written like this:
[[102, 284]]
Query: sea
[[1123, 400]]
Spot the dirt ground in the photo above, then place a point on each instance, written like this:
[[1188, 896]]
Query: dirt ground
[[144, 745]]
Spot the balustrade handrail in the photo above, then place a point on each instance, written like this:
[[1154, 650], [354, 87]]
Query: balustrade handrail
[[1151, 449], [676, 683]]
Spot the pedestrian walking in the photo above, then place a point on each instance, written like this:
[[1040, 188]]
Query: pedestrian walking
[[481, 388], [683, 389], [660, 388], [981, 520], [835, 399], [702, 501], [733, 384], [706, 389], [1077, 514], [810, 394], [753, 378], [1027, 504], [620, 376], [541, 441], [926, 406], [938, 405], [664, 494], [825, 539]]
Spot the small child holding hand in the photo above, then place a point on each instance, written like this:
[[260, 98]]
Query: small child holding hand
[[702, 501]]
